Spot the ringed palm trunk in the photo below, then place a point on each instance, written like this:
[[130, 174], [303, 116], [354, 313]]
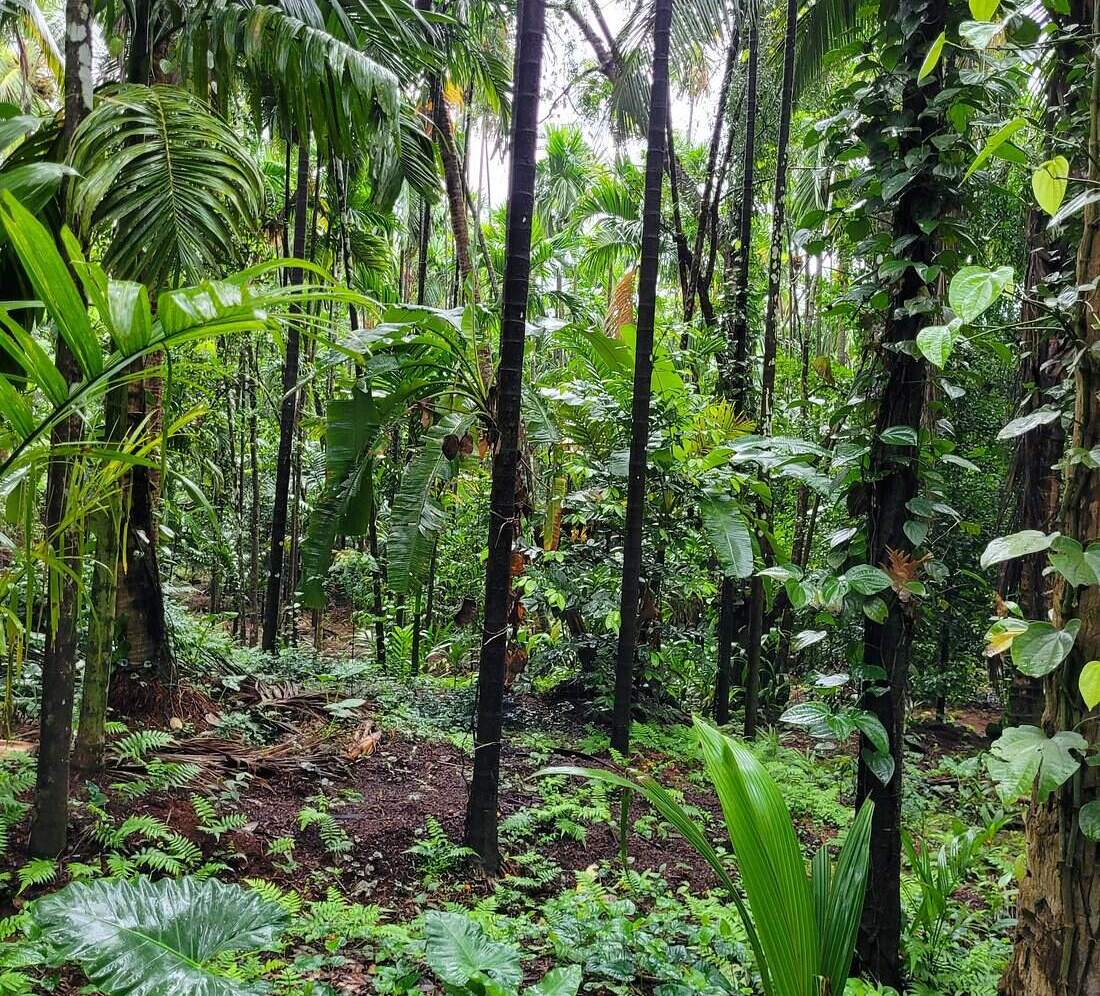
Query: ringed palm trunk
[[643, 377], [50, 817], [481, 809], [736, 375], [1056, 951], [288, 414], [767, 384]]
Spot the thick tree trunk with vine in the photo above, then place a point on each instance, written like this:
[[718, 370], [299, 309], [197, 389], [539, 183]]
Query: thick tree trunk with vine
[[288, 416], [145, 685], [1033, 478], [643, 376], [481, 809], [891, 481], [1057, 949]]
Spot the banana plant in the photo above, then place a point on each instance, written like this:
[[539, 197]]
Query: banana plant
[[416, 355], [801, 924]]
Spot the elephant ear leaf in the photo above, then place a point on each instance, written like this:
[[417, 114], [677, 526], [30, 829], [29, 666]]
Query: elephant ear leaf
[[145, 938]]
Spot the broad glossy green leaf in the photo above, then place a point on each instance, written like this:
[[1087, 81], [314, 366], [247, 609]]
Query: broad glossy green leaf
[[562, 981], [1043, 647], [146, 938], [1019, 544], [728, 533], [1024, 758], [974, 289], [983, 10], [932, 59], [867, 579], [937, 341], [1032, 420], [1089, 820], [458, 951], [1049, 182], [979, 35], [1089, 683], [899, 435], [996, 140]]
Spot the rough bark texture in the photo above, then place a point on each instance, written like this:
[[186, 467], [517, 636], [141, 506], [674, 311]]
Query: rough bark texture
[[481, 810], [643, 376], [288, 416], [1057, 950], [50, 816], [1033, 478]]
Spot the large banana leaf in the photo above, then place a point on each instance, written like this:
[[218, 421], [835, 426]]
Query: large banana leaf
[[416, 518], [146, 938]]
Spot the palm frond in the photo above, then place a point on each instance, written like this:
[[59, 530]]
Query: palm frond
[[165, 181]]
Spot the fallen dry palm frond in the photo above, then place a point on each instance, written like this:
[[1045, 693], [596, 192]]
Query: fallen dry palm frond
[[216, 758], [362, 742], [284, 704]]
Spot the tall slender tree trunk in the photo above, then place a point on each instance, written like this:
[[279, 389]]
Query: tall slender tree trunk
[[736, 374], [710, 184], [643, 377], [288, 416], [891, 481], [481, 809], [50, 816], [768, 349], [254, 498], [1058, 914], [90, 737]]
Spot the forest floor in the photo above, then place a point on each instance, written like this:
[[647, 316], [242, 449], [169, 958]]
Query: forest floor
[[347, 792]]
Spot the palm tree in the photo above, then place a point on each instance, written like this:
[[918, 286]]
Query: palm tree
[[332, 70], [643, 375], [736, 375], [481, 808], [771, 312], [50, 822]]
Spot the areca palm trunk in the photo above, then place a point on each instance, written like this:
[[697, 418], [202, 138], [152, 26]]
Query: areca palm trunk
[[50, 817], [754, 649], [288, 415], [643, 377], [710, 185], [734, 374], [481, 809]]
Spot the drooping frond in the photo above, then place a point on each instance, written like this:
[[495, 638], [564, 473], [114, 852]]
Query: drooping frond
[[309, 66], [198, 187], [826, 28]]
